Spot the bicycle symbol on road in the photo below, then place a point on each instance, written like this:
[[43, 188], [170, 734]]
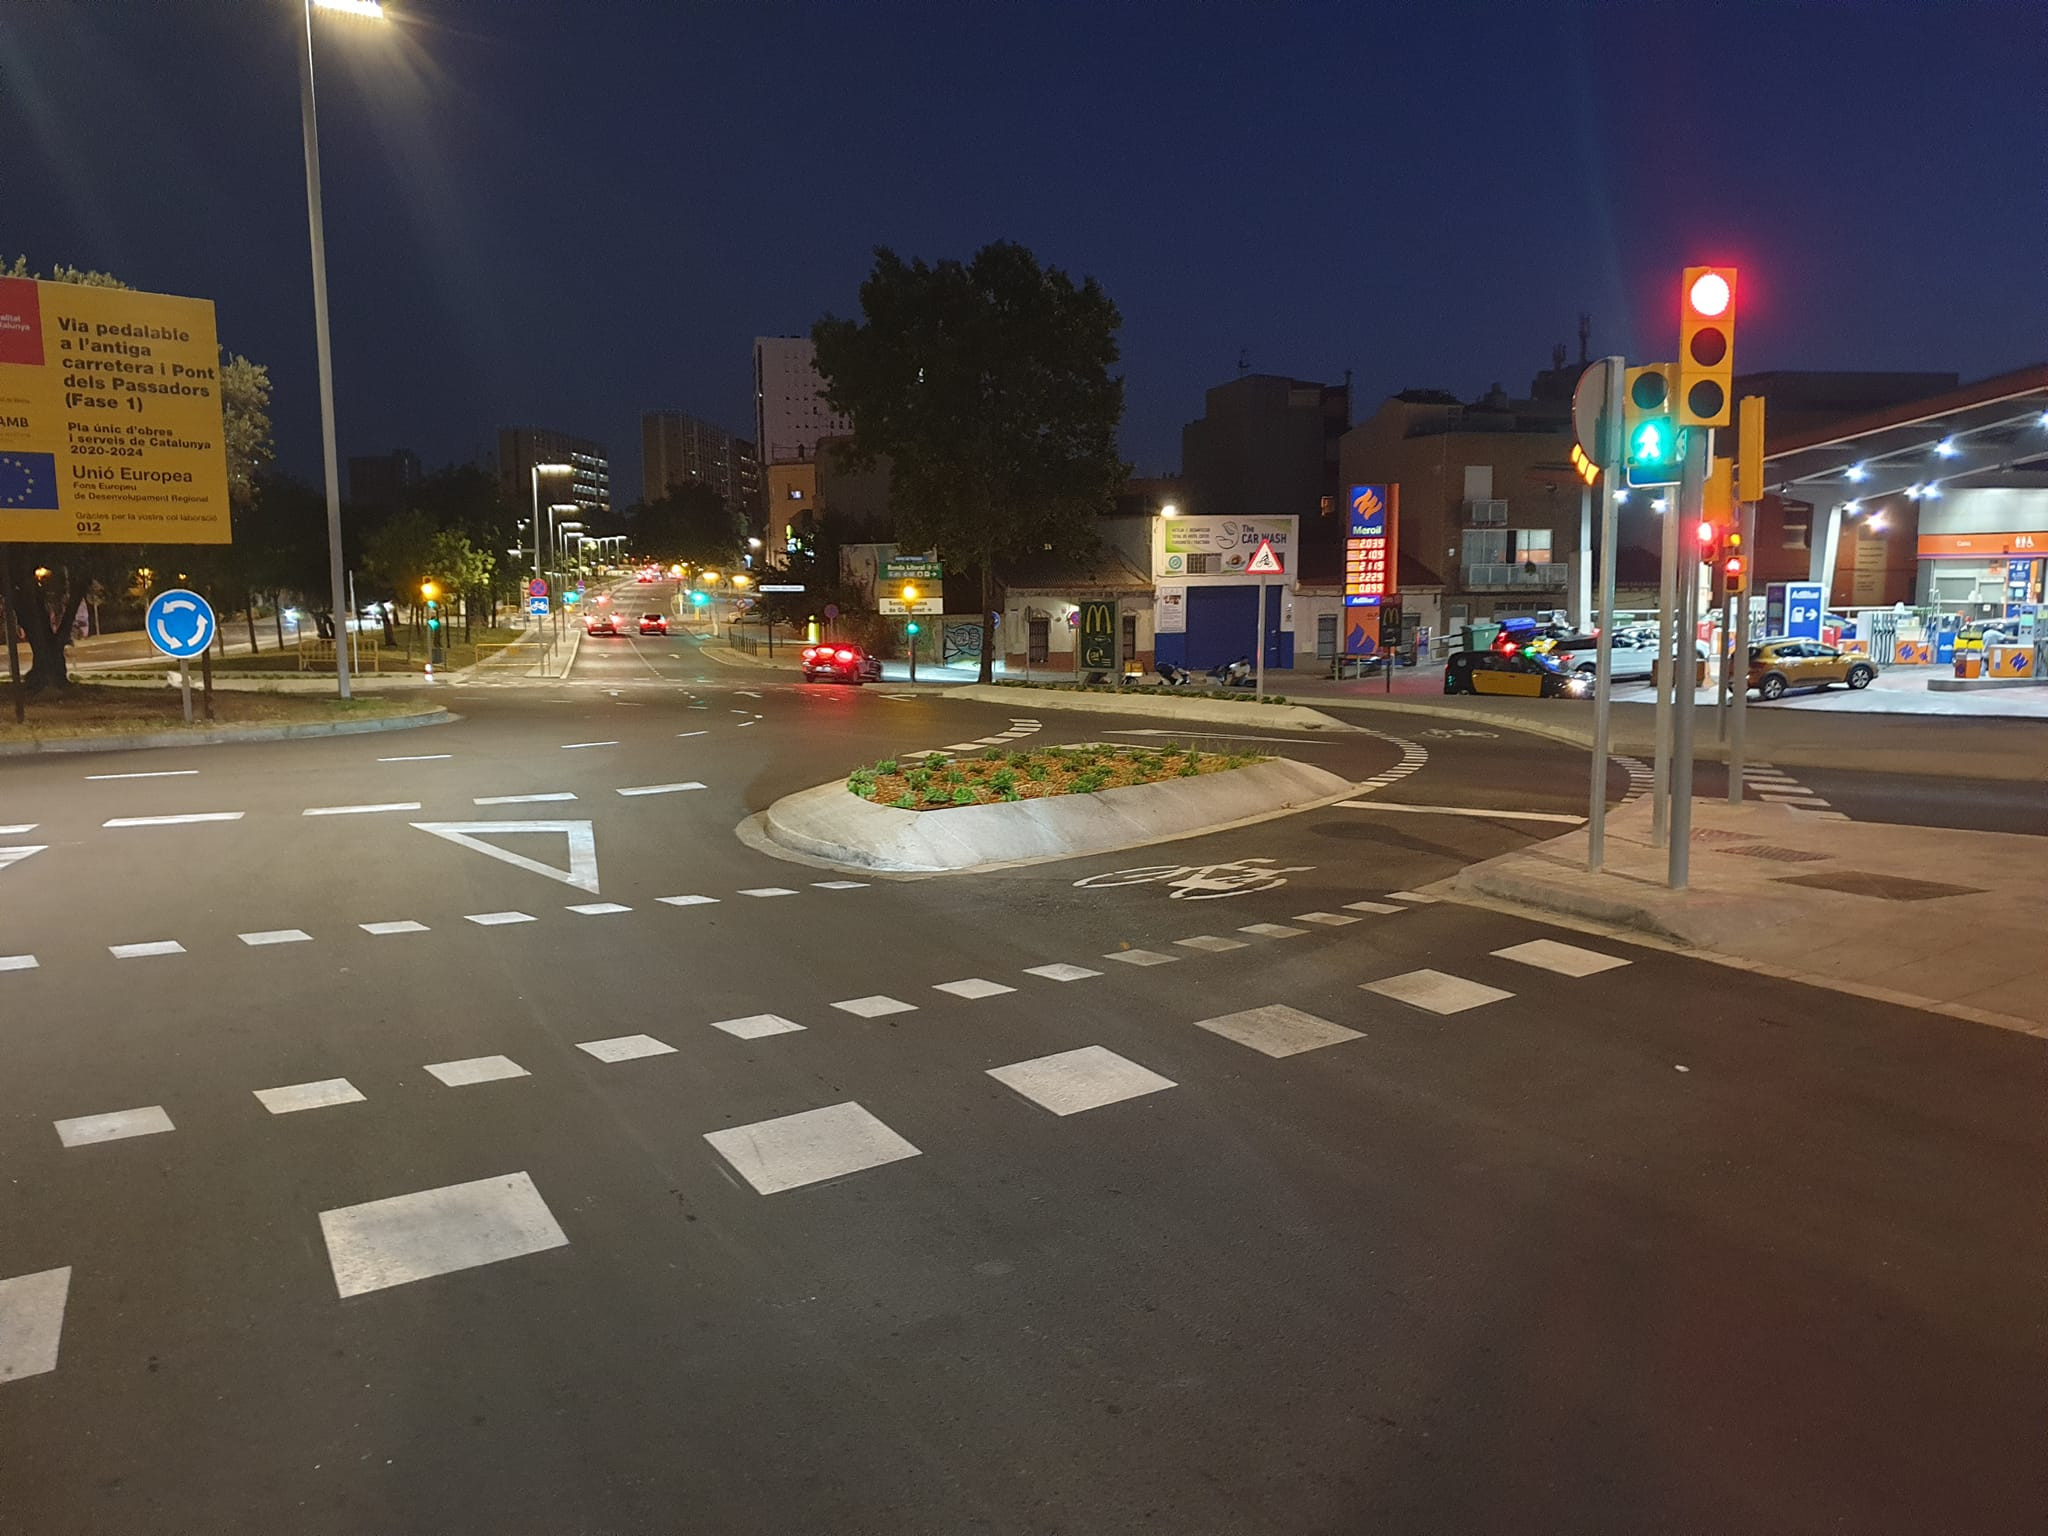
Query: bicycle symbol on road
[[1203, 882]]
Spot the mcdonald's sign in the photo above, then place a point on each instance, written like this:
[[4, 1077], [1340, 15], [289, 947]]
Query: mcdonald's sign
[[1098, 636]]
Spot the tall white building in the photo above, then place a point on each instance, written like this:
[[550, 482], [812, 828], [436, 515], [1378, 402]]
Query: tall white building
[[790, 413]]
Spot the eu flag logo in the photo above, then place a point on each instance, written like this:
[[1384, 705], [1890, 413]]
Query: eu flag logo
[[28, 480]]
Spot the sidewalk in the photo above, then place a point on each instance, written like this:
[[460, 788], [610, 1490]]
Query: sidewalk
[[1946, 921]]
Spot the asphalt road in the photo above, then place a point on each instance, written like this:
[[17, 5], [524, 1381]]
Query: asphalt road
[[1654, 1246]]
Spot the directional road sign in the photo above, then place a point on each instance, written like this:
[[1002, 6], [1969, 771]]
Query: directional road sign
[[179, 623]]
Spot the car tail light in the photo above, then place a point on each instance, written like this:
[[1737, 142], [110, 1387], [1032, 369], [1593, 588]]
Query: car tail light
[[844, 655]]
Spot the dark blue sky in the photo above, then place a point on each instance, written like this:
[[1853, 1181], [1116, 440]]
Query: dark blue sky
[[566, 213]]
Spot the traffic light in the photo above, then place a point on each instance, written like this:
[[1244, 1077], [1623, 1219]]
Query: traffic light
[[1706, 346], [1653, 444]]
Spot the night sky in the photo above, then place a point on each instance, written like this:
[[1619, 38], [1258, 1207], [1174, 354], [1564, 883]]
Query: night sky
[[567, 213]]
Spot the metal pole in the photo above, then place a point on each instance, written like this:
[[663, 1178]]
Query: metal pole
[[1738, 700], [317, 234], [1691, 503], [1603, 677], [1259, 667], [1667, 672]]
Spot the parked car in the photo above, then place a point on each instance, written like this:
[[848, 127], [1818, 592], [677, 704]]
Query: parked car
[[653, 624], [1511, 672], [1777, 666], [847, 663], [601, 622]]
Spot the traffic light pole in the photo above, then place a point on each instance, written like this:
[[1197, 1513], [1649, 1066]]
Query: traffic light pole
[[1666, 675], [1603, 617], [1691, 505]]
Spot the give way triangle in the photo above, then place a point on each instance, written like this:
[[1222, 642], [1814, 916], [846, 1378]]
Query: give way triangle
[[16, 855], [582, 870]]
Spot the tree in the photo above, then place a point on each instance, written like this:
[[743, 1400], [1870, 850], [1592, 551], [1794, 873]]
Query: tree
[[47, 608], [988, 387]]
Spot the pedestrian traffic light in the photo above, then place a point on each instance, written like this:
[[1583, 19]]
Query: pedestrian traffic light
[[1706, 346], [1653, 444]]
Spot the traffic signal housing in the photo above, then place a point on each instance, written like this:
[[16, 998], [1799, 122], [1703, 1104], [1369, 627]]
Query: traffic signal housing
[[1706, 347], [1653, 444]]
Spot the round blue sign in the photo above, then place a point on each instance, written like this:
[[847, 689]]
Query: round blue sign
[[179, 623]]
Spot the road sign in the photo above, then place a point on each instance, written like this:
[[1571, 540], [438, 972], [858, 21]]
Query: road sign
[[179, 623], [537, 587], [1802, 610], [537, 606], [1098, 636], [1263, 561]]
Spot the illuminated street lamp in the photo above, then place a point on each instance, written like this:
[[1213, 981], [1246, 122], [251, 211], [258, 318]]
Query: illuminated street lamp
[[316, 234]]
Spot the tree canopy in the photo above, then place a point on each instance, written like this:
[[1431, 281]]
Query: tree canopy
[[987, 384]]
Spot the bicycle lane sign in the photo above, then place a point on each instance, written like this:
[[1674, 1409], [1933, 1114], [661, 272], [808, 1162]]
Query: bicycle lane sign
[[1201, 882]]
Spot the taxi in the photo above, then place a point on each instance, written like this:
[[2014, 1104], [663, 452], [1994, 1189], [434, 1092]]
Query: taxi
[[1514, 673]]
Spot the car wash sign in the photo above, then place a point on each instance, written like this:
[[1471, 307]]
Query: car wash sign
[[1219, 550], [1369, 551]]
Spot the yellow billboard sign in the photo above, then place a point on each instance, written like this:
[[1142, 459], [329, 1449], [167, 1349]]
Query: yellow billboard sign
[[110, 417]]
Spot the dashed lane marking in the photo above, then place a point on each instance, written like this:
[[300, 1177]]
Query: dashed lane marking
[[360, 810], [324, 1094], [794, 1150], [476, 1069], [382, 1243], [32, 1322], [1069, 1082], [117, 1125], [188, 819]]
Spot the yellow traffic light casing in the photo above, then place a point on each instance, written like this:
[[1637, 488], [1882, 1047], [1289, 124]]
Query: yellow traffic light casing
[[1749, 448], [1653, 444], [1706, 347]]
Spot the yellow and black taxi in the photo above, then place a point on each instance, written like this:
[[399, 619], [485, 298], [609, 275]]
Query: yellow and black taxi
[[1778, 666], [1518, 672]]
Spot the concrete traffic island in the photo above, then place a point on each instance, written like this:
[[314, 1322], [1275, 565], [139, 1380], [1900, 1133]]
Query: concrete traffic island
[[833, 824]]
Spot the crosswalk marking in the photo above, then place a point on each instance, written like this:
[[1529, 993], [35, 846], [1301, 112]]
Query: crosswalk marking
[[115, 1125], [382, 1243], [475, 1069], [625, 1048], [973, 988], [1437, 991], [32, 1322], [1069, 1082], [1564, 959], [321, 1095], [807, 1148], [1277, 1030]]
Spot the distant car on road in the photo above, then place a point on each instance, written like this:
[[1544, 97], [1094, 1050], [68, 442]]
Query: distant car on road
[[1513, 673], [602, 622], [1779, 665], [848, 663], [653, 624]]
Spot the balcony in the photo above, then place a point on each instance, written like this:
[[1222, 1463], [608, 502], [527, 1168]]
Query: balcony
[[1513, 578]]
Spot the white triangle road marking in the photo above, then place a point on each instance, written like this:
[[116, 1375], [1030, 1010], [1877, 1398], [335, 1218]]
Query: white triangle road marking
[[582, 870]]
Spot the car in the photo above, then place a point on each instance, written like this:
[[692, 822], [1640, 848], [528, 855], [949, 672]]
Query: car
[[1777, 666], [603, 622], [849, 663], [1512, 672], [653, 624]]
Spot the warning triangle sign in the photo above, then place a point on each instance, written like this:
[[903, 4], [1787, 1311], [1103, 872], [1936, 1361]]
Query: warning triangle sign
[[1263, 561], [582, 870], [16, 855]]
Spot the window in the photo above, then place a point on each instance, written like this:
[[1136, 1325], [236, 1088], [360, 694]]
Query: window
[[1039, 644], [1326, 637]]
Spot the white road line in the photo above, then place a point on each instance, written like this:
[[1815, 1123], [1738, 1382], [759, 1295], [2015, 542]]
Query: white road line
[[973, 988], [324, 1094], [276, 936], [144, 951], [874, 1007], [406, 926], [18, 963], [1060, 971], [577, 746], [172, 821], [756, 1026], [164, 773], [1460, 810], [423, 757], [391, 1242], [661, 789], [795, 1150], [31, 1322], [498, 919], [117, 1125], [476, 1069], [360, 810], [559, 794], [687, 901], [1068, 1082]]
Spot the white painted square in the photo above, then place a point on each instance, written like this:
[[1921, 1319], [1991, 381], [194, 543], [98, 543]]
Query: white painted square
[[1071, 1081], [437, 1232], [1142, 957], [32, 1322], [769, 890], [1436, 991], [499, 919], [1415, 896], [1327, 919], [1061, 971], [1372, 906], [476, 1069], [626, 1047], [1273, 930], [755, 1025], [599, 908], [144, 951], [18, 962], [117, 1125], [874, 1007], [840, 885], [973, 987], [407, 926], [819, 1144], [1565, 959], [688, 901], [1277, 1030], [1211, 943], [276, 936], [321, 1095]]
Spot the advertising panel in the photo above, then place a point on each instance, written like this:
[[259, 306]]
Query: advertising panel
[[110, 417], [1218, 549]]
